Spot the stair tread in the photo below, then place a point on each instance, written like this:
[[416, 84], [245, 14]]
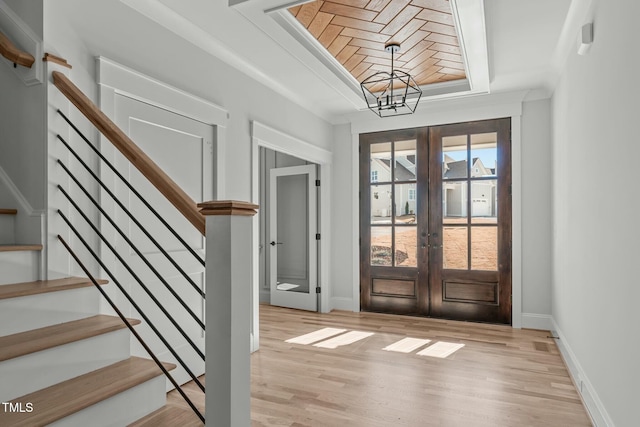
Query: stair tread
[[23, 343], [43, 286], [68, 397], [8, 211], [169, 416], [20, 247]]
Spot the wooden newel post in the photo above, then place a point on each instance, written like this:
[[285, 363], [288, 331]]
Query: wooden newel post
[[228, 312]]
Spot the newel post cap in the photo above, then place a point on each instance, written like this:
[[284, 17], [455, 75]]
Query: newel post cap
[[227, 207]]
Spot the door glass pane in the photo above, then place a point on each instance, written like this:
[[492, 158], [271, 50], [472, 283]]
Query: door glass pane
[[405, 160], [484, 201], [380, 162], [381, 204], [293, 233], [455, 248], [484, 154], [406, 246], [454, 157], [454, 202], [484, 248], [381, 246], [406, 201]]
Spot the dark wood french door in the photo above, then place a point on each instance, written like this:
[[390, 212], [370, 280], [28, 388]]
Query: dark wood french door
[[435, 223]]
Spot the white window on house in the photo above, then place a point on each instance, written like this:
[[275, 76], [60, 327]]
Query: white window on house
[[374, 176], [412, 194]]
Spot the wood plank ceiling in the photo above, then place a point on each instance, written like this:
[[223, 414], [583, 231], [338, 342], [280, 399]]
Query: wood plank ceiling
[[355, 32]]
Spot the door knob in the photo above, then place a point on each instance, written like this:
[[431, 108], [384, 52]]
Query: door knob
[[274, 243]]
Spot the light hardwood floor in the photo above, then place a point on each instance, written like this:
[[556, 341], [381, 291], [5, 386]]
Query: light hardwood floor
[[501, 377]]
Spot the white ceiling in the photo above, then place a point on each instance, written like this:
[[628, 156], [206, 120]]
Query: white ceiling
[[526, 42]]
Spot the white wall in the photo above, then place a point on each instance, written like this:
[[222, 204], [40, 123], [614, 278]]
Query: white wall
[[342, 221], [30, 11], [23, 122], [536, 211], [79, 31], [595, 289]]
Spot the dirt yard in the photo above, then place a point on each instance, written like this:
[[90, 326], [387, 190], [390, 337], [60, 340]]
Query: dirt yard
[[484, 247]]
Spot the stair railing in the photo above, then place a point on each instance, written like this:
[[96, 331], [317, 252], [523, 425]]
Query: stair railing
[[131, 151], [129, 325], [168, 188], [13, 54], [138, 196]]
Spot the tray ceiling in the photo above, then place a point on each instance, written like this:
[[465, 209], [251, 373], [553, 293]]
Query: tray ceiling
[[355, 31]]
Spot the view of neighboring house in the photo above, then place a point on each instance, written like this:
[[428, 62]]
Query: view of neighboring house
[[484, 196], [483, 192], [406, 195]]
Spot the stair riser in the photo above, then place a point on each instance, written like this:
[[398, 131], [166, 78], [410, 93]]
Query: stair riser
[[17, 267], [7, 230], [121, 409], [37, 311], [26, 374], [193, 361]]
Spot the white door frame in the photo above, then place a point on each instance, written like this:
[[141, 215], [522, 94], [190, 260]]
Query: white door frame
[[265, 136], [299, 300]]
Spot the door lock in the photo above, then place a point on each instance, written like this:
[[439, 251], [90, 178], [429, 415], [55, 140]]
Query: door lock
[[275, 243]]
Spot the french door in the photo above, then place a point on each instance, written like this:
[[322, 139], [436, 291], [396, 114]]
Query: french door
[[435, 224], [292, 230]]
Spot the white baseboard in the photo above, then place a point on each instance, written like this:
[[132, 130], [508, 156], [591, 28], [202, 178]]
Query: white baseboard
[[595, 408], [341, 303], [265, 296], [536, 321]]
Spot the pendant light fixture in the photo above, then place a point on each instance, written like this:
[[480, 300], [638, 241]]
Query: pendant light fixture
[[391, 94]]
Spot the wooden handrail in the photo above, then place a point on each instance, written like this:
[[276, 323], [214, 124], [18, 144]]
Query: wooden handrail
[[131, 151], [49, 57], [13, 54]]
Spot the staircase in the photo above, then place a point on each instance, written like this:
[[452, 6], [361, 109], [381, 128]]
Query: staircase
[[61, 362]]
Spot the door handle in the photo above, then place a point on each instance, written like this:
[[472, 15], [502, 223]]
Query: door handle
[[274, 243]]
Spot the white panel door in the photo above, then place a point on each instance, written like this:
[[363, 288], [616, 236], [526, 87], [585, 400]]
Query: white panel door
[[292, 233], [183, 148]]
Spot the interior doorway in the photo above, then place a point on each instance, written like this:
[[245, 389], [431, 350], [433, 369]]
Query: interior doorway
[[435, 223], [288, 231]]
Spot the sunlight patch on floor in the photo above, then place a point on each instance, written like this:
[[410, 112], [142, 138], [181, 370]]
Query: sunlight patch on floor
[[332, 338], [440, 349], [318, 335], [345, 339], [406, 345]]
